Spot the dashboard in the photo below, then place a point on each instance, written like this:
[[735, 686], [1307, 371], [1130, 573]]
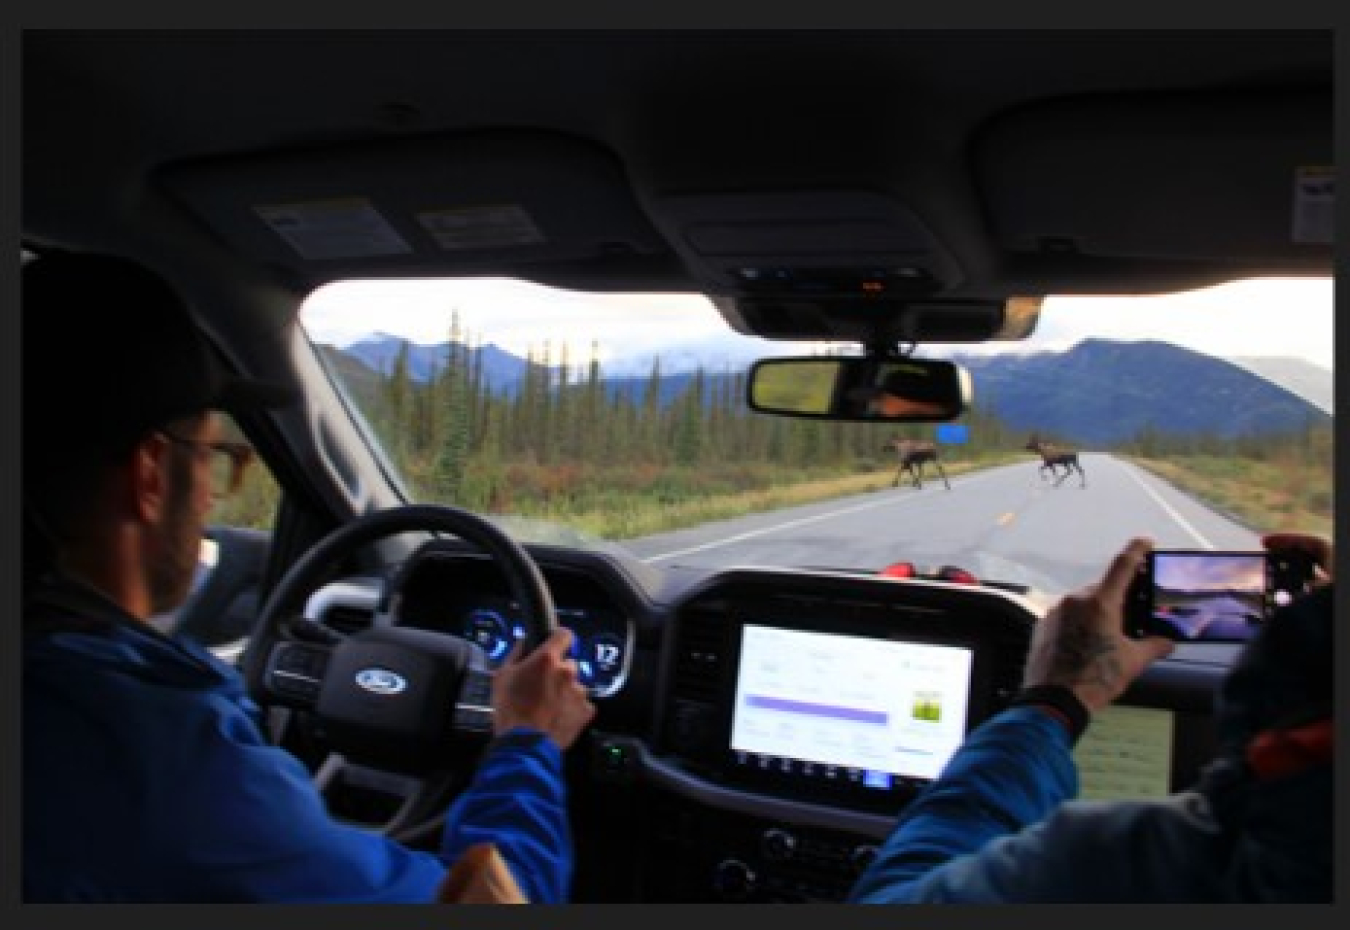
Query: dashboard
[[758, 730]]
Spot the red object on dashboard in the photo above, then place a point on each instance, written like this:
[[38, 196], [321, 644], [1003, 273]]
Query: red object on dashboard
[[898, 570], [959, 575]]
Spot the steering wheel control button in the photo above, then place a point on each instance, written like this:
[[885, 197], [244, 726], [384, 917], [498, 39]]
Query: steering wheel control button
[[295, 671], [477, 688], [302, 660], [473, 711]]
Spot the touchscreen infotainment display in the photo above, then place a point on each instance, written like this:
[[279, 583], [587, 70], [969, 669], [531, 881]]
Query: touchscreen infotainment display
[[875, 712]]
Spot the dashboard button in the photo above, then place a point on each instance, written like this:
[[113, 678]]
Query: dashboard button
[[733, 880], [862, 856], [778, 844]]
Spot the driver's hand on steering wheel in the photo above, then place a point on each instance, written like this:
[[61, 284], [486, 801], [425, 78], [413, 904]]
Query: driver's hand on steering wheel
[[541, 691]]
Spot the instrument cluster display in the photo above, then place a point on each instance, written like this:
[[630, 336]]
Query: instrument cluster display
[[599, 645], [469, 598]]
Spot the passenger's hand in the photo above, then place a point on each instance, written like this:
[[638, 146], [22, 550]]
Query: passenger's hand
[[1315, 546], [541, 691], [1081, 642]]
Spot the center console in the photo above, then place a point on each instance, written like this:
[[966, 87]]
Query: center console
[[799, 725]]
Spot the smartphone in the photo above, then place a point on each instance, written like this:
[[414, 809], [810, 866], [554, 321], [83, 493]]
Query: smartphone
[[1192, 595]]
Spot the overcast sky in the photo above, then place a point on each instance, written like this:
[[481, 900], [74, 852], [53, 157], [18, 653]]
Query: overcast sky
[[1265, 317], [1210, 573]]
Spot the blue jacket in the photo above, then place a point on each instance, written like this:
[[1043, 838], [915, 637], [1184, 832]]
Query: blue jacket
[[998, 825], [147, 777]]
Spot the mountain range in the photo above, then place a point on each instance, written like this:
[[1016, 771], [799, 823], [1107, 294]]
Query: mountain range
[[1311, 382], [1102, 391], [1097, 392]]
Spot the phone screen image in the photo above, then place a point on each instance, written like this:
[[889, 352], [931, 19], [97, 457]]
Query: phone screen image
[[1223, 596]]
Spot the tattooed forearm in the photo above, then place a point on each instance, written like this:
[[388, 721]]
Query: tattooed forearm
[[1081, 648], [1081, 644], [1083, 656]]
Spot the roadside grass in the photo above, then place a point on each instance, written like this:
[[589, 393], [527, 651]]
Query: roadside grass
[[624, 502], [627, 502], [1262, 496], [631, 515]]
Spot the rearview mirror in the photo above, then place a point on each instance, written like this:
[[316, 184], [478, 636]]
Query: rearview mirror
[[912, 390]]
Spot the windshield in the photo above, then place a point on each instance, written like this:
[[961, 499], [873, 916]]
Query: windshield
[[1200, 419]]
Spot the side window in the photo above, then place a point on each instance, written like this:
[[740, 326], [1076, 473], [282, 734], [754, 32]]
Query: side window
[[223, 601], [254, 505]]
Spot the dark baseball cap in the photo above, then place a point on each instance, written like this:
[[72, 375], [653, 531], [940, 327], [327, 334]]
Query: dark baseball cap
[[111, 352]]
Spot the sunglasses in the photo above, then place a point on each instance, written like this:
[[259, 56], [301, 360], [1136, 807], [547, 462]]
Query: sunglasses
[[229, 460]]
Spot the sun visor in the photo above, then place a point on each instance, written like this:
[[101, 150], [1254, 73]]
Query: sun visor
[[449, 203], [1207, 177]]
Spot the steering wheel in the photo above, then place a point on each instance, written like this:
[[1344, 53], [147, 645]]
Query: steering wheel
[[390, 699]]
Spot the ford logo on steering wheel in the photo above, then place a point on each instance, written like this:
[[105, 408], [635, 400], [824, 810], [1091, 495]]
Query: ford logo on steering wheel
[[381, 681]]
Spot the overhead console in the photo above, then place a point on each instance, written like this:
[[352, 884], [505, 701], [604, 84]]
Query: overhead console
[[824, 242], [842, 265], [880, 319], [854, 697]]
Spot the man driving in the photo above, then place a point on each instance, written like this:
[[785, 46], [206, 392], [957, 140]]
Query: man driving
[[147, 774]]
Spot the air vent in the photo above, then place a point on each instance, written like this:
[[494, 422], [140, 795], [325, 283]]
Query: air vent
[[346, 619], [699, 657], [345, 607]]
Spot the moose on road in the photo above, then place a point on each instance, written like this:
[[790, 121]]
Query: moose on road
[[914, 454], [1055, 457]]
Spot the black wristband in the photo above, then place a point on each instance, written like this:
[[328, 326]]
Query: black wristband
[[1062, 700]]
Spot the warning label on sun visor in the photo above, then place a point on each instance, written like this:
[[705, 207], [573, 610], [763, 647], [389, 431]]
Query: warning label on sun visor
[[1314, 205], [492, 226], [346, 228]]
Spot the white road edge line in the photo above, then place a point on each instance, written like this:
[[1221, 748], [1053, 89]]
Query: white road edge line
[[1199, 537], [870, 505]]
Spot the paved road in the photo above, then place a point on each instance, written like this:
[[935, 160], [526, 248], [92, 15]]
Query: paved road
[[1003, 523]]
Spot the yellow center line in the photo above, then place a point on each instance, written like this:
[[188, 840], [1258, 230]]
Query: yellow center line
[[1007, 518]]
